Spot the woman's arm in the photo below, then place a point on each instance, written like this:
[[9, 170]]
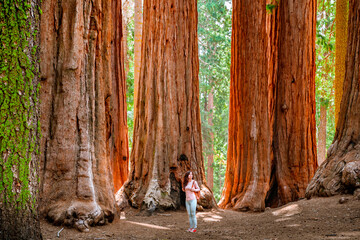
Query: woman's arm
[[196, 187]]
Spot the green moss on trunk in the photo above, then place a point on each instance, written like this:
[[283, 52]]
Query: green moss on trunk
[[19, 89]]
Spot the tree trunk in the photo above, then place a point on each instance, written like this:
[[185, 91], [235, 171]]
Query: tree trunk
[[125, 22], [138, 23], [167, 131], [294, 143], [119, 150], [210, 156], [83, 111], [19, 114], [340, 172], [342, 11], [321, 150], [272, 100], [248, 158]]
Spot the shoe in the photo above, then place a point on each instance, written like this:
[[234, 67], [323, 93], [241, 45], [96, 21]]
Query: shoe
[[189, 230], [193, 230]]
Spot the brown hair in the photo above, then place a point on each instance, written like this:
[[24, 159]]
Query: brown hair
[[186, 179]]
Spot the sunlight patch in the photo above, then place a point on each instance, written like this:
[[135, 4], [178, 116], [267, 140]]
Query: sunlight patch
[[209, 217], [293, 225], [288, 211], [283, 219], [149, 225]]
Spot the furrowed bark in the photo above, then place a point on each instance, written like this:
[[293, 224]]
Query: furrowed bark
[[19, 128], [248, 159], [294, 143], [82, 110], [119, 154]]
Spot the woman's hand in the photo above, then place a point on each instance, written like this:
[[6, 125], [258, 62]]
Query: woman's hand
[[195, 189]]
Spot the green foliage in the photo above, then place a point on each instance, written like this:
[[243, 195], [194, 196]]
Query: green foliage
[[214, 32], [325, 65], [18, 102], [271, 6]]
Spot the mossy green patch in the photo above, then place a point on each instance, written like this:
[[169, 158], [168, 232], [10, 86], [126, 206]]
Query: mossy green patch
[[19, 91]]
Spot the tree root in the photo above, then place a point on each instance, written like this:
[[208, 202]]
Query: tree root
[[78, 214], [337, 175]]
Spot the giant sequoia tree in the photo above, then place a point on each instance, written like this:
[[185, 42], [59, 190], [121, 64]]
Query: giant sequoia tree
[[340, 173], [248, 160], [83, 115], [167, 131], [19, 115], [294, 141], [272, 148]]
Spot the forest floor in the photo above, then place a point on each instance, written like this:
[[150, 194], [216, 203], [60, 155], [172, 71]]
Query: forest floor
[[317, 218]]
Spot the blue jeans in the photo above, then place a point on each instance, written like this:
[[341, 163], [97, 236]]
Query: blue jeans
[[191, 209]]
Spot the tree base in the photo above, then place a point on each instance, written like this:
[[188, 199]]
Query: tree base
[[79, 214], [339, 174], [243, 204], [156, 198]]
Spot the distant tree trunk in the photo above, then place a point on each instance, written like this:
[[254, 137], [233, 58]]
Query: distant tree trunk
[[210, 156], [119, 150], [82, 110], [167, 131], [248, 158], [340, 172], [138, 25], [19, 115], [321, 150], [125, 22], [294, 143], [272, 100], [342, 11]]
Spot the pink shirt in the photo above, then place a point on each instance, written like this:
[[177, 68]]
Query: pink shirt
[[190, 195]]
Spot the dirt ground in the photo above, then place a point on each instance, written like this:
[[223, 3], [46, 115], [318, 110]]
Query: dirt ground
[[318, 218]]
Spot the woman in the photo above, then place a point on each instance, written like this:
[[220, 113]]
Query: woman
[[189, 187]]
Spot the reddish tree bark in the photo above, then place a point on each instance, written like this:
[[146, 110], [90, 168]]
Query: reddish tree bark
[[248, 158], [82, 110], [340, 173], [119, 154], [167, 131], [272, 148], [294, 143]]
